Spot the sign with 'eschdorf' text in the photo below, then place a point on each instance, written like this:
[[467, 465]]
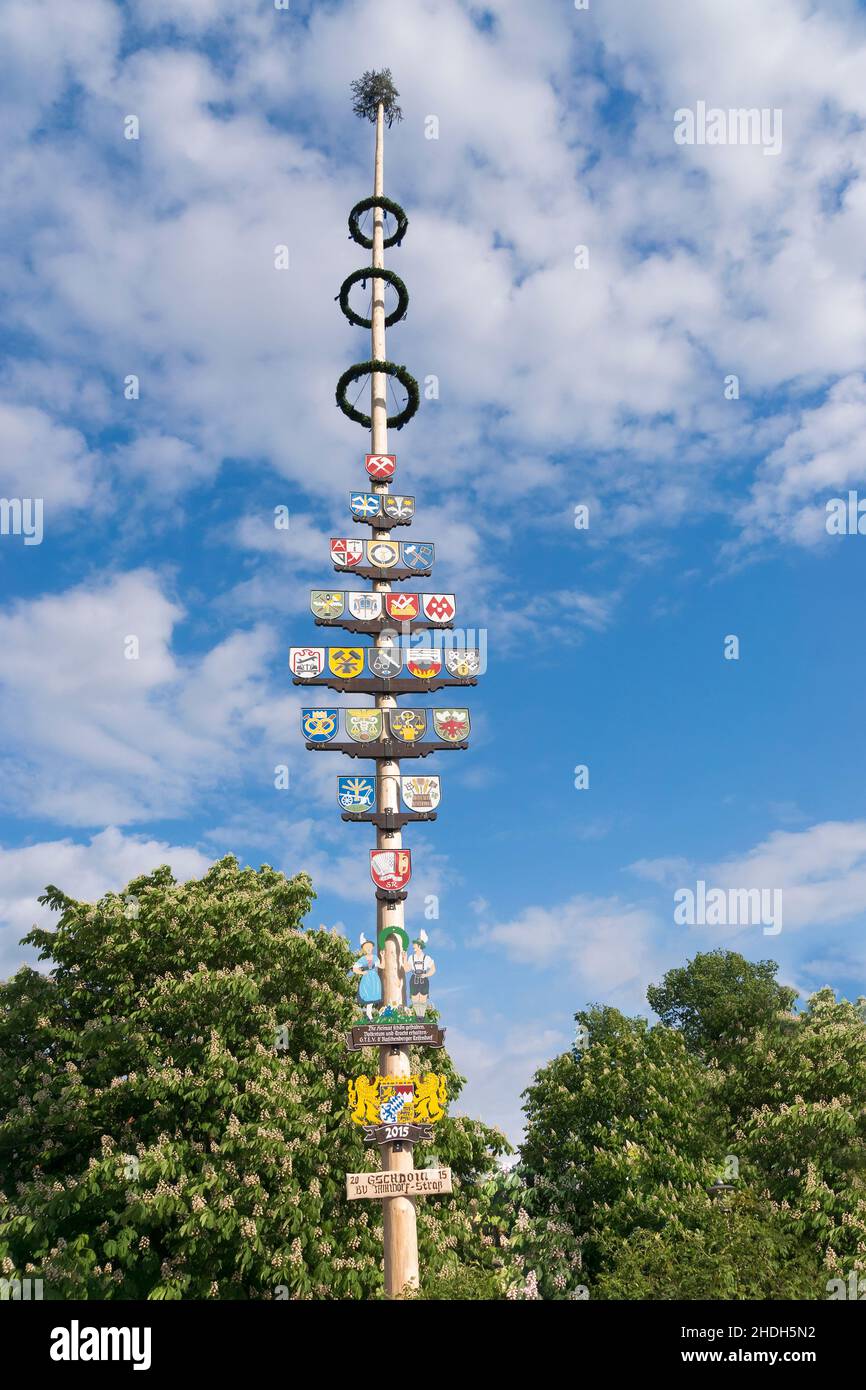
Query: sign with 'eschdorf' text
[[418, 1182]]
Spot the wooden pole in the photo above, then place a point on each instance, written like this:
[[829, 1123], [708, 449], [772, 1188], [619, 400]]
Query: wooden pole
[[400, 1235]]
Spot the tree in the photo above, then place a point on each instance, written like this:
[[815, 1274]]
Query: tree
[[620, 1137], [175, 1104], [373, 90], [710, 1251], [720, 997], [793, 1086]]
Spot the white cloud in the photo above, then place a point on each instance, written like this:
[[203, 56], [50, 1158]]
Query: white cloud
[[821, 872], [604, 942], [93, 737], [40, 458], [820, 459], [82, 870]]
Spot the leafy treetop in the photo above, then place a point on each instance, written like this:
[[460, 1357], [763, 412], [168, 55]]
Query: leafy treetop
[[371, 91]]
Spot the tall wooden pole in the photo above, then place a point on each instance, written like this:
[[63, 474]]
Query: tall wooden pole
[[398, 1213]]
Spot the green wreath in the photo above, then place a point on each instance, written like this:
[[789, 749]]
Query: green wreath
[[391, 369], [401, 935], [374, 273], [387, 205]]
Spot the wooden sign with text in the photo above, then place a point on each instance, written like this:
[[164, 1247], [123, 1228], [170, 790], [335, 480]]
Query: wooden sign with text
[[395, 1035], [419, 1182], [398, 1134]]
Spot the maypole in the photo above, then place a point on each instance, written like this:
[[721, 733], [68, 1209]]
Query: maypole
[[391, 1105]]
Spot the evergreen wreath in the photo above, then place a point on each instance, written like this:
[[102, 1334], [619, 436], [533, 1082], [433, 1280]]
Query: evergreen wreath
[[360, 369], [374, 273], [387, 205]]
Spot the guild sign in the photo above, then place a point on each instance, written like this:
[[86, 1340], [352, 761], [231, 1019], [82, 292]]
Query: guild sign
[[366, 607], [390, 869], [356, 793], [452, 725], [420, 793], [408, 725], [380, 465], [386, 1099], [347, 553], [320, 725], [346, 661], [417, 555], [385, 662], [307, 661], [439, 607], [364, 725], [326, 604], [424, 663], [365, 504], [402, 607], [383, 554], [462, 661], [400, 508]]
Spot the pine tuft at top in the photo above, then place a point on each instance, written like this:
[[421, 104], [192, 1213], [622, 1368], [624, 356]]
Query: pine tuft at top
[[371, 90]]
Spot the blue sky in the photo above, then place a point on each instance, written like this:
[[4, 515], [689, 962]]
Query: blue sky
[[558, 386]]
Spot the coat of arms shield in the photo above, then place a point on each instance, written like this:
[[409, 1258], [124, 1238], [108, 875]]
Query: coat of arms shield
[[463, 661], [408, 725], [452, 725], [417, 555], [420, 793], [380, 465], [391, 869], [356, 793], [439, 608], [365, 504], [306, 661], [346, 661], [385, 662], [383, 554], [402, 607], [401, 508], [320, 725], [346, 553], [365, 606], [326, 603], [364, 725], [424, 663]]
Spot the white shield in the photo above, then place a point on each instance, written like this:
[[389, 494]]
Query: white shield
[[307, 661], [366, 607], [420, 793]]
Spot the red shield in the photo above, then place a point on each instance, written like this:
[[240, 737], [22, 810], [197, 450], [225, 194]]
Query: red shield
[[380, 465], [347, 553], [424, 665], [390, 868], [402, 607]]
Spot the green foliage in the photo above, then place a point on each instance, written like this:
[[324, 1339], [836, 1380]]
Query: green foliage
[[372, 273], [157, 1143], [710, 1251], [378, 200], [624, 1137], [371, 91], [720, 997], [405, 378]]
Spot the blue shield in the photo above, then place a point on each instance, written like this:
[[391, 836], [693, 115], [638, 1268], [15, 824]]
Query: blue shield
[[365, 503], [417, 555], [320, 725], [356, 793]]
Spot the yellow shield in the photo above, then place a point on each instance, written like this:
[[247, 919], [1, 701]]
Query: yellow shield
[[346, 661]]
